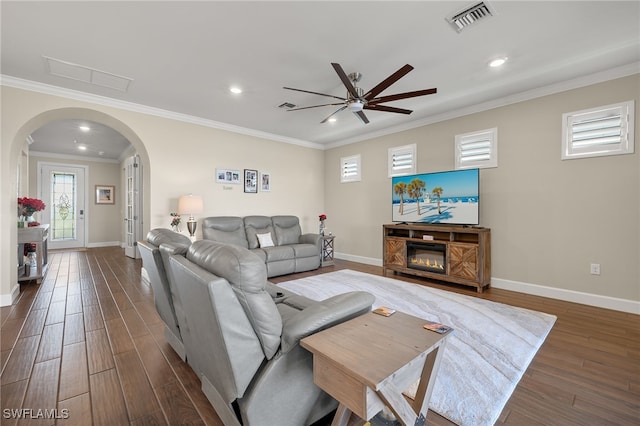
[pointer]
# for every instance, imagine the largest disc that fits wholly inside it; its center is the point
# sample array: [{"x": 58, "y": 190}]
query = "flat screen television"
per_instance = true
[{"x": 450, "y": 197}]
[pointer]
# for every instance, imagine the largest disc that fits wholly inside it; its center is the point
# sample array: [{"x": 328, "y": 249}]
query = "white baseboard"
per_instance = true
[
  {"x": 360, "y": 259},
  {"x": 606, "y": 302},
  {"x": 8, "y": 299},
  {"x": 104, "y": 244}
]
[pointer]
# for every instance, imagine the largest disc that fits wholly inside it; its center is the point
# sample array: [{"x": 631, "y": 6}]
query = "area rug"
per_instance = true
[{"x": 485, "y": 357}]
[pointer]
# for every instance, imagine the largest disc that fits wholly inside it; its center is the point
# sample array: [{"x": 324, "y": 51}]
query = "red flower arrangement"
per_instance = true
[
  {"x": 175, "y": 219},
  {"x": 28, "y": 206},
  {"x": 322, "y": 217}
]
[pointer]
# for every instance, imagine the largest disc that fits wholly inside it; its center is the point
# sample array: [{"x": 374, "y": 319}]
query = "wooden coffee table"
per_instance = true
[{"x": 367, "y": 362}]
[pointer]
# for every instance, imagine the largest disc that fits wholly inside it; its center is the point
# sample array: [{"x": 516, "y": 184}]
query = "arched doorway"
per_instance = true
[{"x": 16, "y": 168}]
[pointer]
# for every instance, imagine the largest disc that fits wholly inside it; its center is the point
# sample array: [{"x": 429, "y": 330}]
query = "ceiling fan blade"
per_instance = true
[
  {"x": 388, "y": 82},
  {"x": 345, "y": 80},
  {"x": 326, "y": 119},
  {"x": 405, "y": 95},
  {"x": 314, "y": 106},
  {"x": 362, "y": 117},
  {"x": 315, "y": 93},
  {"x": 387, "y": 109}
]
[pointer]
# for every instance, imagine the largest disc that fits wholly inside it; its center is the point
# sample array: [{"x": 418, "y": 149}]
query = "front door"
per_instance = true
[{"x": 62, "y": 189}]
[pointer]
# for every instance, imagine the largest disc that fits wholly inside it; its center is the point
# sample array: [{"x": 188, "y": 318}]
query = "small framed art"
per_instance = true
[
  {"x": 265, "y": 181},
  {"x": 228, "y": 176},
  {"x": 250, "y": 181},
  {"x": 105, "y": 194}
]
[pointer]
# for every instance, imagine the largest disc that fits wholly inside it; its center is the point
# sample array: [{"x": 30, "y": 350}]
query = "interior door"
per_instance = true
[
  {"x": 133, "y": 210},
  {"x": 63, "y": 189}
]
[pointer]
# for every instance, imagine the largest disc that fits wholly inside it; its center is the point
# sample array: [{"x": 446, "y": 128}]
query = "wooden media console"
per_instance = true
[{"x": 456, "y": 254}]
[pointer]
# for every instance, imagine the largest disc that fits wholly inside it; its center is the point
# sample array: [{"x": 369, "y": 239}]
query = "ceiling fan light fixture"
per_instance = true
[
  {"x": 357, "y": 100},
  {"x": 356, "y": 106}
]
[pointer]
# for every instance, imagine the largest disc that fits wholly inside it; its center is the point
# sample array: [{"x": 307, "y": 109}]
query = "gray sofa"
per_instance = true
[
  {"x": 153, "y": 263},
  {"x": 241, "y": 335},
  {"x": 292, "y": 251}
]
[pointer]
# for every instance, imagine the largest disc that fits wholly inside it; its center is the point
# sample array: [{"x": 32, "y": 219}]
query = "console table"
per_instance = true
[
  {"x": 37, "y": 235},
  {"x": 367, "y": 362},
  {"x": 464, "y": 252}
]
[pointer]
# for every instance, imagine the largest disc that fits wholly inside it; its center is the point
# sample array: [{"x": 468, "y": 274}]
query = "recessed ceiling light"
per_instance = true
[
  {"x": 498, "y": 62},
  {"x": 85, "y": 128},
  {"x": 82, "y": 147},
  {"x": 332, "y": 120},
  {"x": 236, "y": 90}
]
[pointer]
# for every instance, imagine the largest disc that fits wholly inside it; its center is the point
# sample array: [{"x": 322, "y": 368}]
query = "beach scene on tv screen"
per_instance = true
[{"x": 446, "y": 197}]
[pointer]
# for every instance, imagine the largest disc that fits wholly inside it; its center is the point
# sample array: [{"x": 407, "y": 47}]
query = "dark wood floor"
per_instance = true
[{"x": 88, "y": 343}]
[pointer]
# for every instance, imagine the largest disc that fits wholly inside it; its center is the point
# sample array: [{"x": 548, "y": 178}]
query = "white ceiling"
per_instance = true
[{"x": 182, "y": 57}]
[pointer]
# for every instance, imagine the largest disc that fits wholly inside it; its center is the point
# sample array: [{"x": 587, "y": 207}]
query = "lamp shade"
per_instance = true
[{"x": 190, "y": 204}]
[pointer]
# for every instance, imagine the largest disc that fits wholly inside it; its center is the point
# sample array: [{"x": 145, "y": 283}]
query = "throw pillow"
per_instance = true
[{"x": 265, "y": 240}]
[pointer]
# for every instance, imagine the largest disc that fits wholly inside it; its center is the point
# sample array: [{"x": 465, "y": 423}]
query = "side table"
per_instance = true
[
  {"x": 327, "y": 250},
  {"x": 367, "y": 362}
]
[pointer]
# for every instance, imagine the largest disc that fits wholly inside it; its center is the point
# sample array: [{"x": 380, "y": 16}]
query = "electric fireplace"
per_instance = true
[{"x": 427, "y": 257}]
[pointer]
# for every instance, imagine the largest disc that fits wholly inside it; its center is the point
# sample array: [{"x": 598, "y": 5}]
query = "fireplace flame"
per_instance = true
[{"x": 428, "y": 263}]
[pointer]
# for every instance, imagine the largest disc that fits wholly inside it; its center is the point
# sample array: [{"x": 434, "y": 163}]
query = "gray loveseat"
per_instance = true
[
  {"x": 292, "y": 251},
  {"x": 241, "y": 335}
]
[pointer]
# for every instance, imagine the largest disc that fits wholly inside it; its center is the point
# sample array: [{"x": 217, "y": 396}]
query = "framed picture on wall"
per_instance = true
[
  {"x": 228, "y": 176},
  {"x": 250, "y": 181},
  {"x": 265, "y": 181},
  {"x": 105, "y": 194}
]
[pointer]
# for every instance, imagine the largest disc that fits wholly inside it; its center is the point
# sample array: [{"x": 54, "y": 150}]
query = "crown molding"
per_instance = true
[
  {"x": 47, "y": 89},
  {"x": 576, "y": 83},
  {"x": 611, "y": 74}
]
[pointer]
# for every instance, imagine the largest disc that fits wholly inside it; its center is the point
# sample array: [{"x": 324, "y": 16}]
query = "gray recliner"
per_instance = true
[
  {"x": 153, "y": 263},
  {"x": 242, "y": 333}
]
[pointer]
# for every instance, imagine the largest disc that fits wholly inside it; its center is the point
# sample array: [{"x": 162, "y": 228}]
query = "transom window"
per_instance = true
[
  {"x": 606, "y": 130},
  {"x": 477, "y": 150},
  {"x": 350, "y": 169},
  {"x": 402, "y": 160}
]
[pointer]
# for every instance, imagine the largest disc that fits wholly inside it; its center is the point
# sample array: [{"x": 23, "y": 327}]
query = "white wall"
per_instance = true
[
  {"x": 178, "y": 158},
  {"x": 549, "y": 218}
]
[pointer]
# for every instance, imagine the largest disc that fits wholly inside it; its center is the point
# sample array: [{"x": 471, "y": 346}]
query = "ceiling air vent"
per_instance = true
[
  {"x": 288, "y": 105},
  {"x": 85, "y": 74},
  {"x": 471, "y": 15}
]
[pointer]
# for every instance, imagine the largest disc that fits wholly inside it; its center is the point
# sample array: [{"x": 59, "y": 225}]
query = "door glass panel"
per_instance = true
[{"x": 63, "y": 213}]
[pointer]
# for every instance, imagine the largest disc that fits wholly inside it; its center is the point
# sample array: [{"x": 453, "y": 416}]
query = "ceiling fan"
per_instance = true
[{"x": 357, "y": 100}]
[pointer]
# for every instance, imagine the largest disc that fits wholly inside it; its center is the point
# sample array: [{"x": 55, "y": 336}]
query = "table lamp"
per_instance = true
[{"x": 190, "y": 204}]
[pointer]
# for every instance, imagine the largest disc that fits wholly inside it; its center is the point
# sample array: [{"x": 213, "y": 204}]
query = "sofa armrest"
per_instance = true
[
  {"x": 173, "y": 248},
  {"x": 322, "y": 315},
  {"x": 315, "y": 239},
  {"x": 310, "y": 239}
]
